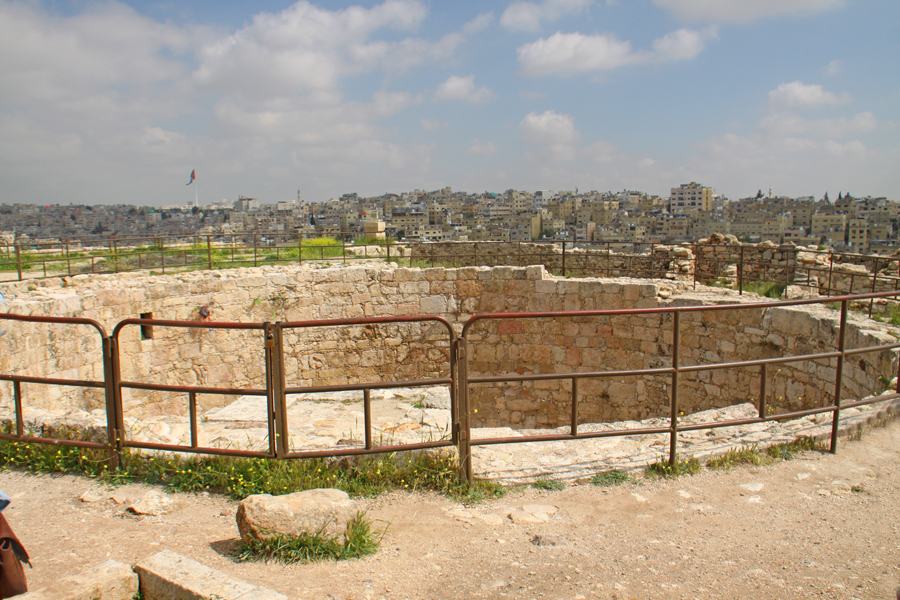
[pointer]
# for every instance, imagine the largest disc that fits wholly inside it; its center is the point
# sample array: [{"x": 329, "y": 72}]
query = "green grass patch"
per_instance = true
[
  {"x": 890, "y": 315},
  {"x": 747, "y": 455},
  {"x": 548, "y": 484},
  {"x": 788, "y": 451},
  {"x": 238, "y": 478},
  {"x": 765, "y": 288},
  {"x": 662, "y": 469},
  {"x": 610, "y": 478},
  {"x": 357, "y": 541}
]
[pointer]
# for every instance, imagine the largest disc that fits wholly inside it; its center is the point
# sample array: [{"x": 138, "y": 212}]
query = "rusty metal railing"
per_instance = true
[
  {"x": 178, "y": 253},
  {"x": 282, "y": 389},
  {"x": 458, "y": 378},
  {"x": 106, "y": 385},
  {"x": 674, "y": 371},
  {"x": 118, "y": 384}
]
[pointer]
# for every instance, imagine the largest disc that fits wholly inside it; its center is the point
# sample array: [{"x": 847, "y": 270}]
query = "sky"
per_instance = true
[{"x": 117, "y": 102}]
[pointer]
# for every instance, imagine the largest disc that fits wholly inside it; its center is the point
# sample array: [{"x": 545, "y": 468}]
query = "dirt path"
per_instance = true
[{"x": 819, "y": 526}]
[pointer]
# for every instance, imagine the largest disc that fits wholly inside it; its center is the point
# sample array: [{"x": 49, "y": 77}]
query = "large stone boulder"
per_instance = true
[{"x": 262, "y": 516}]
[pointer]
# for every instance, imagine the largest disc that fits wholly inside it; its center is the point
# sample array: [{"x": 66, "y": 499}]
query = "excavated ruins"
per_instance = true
[{"x": 325, "y": 354}]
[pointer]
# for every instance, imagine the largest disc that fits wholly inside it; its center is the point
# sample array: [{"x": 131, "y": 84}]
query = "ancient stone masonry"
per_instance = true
[
  {"x": 711, "y": 261},
  {"x": 654, "y": 262},
  {"x": 327, "y": 355}
]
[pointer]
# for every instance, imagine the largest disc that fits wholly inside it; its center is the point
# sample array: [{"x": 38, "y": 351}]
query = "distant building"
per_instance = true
[
  {"x": 690, "y": 196},
  {"x": 246, "y": 204}
]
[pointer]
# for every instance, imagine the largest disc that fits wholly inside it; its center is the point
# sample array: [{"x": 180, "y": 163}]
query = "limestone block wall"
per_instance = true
[
  {"x": 655, "y": 262},
  {"x": 224, "y": 358},
  {"x": 633, "y": 342},
  {"x": 712, "y": 260},
  {"x": 397, "y": 352}
]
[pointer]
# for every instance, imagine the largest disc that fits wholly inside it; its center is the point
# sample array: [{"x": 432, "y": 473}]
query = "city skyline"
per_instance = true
[{"x": 109, "y": 103}]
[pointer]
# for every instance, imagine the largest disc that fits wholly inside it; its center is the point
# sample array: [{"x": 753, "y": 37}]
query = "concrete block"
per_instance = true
[{"x": 170, "y": 576}]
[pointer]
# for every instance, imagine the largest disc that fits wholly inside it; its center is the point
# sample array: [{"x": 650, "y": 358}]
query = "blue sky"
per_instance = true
[{"x": 116, "y": 102}]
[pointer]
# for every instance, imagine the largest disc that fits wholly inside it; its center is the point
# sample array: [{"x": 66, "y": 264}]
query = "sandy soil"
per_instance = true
[{"x": 819, "y": 526}]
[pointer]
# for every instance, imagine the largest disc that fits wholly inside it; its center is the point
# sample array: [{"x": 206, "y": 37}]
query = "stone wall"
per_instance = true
[
  {"x": 647, "y": 262},
  {"x": 397, "y": 352},
  {"x": 711, "y": 261}
]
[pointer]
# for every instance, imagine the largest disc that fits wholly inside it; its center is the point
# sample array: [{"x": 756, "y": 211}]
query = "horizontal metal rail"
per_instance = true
[
  {"x": 674, "y": 427},
  {"x": 272, "y": 342},
  {"x": 282, "y": 388}
]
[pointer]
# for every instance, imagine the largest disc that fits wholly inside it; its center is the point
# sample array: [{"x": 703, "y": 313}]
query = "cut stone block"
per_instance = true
[{"x": 171, "y": 576}]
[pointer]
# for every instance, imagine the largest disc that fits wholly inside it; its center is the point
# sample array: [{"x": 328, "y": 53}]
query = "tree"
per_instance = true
[
  {"x": 759, "y": 194},
  {"x": 840, "y": 196},
  {"x": 826, "y": 197}
]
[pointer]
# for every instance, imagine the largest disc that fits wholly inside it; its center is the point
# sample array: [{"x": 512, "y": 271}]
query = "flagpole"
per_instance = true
[{"x": 194, "y": 171}]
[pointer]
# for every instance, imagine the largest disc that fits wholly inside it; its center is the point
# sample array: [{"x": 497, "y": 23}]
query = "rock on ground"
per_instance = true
[{"x": 262, "y": 516}]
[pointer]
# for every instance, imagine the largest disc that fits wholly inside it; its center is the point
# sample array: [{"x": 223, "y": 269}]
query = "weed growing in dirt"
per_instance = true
[
  {"x": 359, "y": 540},
  {"x": 788, "y": 450},
  {"x": 662, "y": 468},
  {"x": 747, "y": 455},
  {"x": 240, "y": 477},
  {"x": 548, "y": 484},
  {"x": 610, "y": 478}
]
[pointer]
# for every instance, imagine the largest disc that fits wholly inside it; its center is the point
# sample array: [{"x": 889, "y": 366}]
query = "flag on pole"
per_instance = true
[{"x": 192, "y": 177}]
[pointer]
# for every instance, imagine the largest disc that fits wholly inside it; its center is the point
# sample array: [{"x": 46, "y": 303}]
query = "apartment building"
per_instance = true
[{"x": 690, "y": 196}]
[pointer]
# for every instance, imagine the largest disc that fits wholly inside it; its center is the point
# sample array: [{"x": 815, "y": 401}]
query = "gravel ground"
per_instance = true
[{"x": 818, "y": 526}]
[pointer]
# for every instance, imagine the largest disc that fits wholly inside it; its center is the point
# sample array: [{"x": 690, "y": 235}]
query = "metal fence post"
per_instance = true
[
  {"x": 115, "y": 427},
  {"x": 673, "y": 433},
  {"x": 830, "y": 271},
  {"x": 19, "y": 261},
  {"x": 279, "y": 444},
  {"x": 462, "y": 429},
  {"x": 839, "y": 379},
  {"x": 209, "y": 252},
  {"x": 874, "y": 286}
]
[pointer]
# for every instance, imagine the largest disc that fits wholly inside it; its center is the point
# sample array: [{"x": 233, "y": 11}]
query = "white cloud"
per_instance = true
[
  {"x": 568, "y": 53},
  {"x": 389, "y": 103},
  {"x": 479, "y": 148},
  {"x": 743, "y": 11},
  {"x": 601, "y": 152},
  {"x": 430, "y": 125},
  {"x": 853, "y": 148},
  {"x": 463, "y": 88},
  {"x": 573, "y": 53},
  {"x": 98, "y": 91},
  {"x": 789, "y": 124},
  {"x": 683, "y": 44},
  {"x": 797, "y": 94},
  {"x": 49, "y": 58},
  {"x": 833, "y": 68},
  {"x": 479, "y": 23},
  {"x": 527, "y": 16},
  {"x": 305, "y": 48},
  {"x": 548, "y": 128}
]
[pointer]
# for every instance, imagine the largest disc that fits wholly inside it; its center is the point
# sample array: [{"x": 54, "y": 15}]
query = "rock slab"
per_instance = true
[
  {"x": 262, "y": 516},
  {"x": 171, "y": 576},
  {"x": 110, "y": 580}
]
